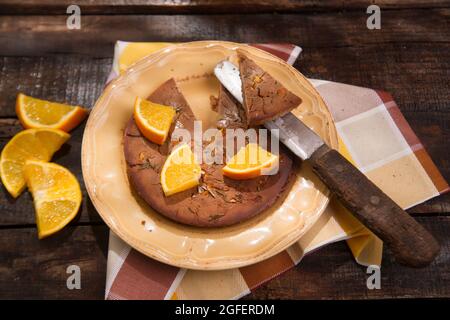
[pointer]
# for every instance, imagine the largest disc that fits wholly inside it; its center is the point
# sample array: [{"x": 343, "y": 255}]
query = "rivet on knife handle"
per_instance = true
[{"x": 411, "y": 244}]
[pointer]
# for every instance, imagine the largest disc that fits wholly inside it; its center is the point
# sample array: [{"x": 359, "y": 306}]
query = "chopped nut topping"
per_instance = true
[{"x": 257, "y": 79}]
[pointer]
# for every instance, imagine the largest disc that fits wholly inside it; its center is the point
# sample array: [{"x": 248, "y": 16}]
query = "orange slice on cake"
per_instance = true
[
  {"x": 250, "y": 162},
  {"x": 153, "y": 119},
  {"x": 181, "y": 171}
]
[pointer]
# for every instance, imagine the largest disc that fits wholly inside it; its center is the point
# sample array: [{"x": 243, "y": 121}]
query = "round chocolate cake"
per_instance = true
[{"x": 218, "y": 200}]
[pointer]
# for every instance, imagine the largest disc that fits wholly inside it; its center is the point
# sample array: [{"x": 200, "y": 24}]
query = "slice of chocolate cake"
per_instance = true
[{"x": 264, "y": 97}]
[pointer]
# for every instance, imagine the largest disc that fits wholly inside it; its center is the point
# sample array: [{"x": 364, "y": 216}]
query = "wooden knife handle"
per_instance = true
[{"x": 411, "y": 244}]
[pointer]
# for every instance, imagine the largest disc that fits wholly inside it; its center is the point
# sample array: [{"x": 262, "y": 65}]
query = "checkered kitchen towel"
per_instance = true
[{"x": 373, "y": 134}]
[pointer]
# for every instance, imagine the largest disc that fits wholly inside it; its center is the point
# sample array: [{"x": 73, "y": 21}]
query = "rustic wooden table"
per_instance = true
[{"x": 409, "y": 57}]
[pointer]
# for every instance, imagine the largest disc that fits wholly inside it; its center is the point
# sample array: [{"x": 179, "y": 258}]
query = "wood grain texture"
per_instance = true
[
  {"x": 204, "y": 6},
  {"x": 36, "y": 269},
  {"x": 39, "y": 35},
  {"x": 436, "y": 206}
]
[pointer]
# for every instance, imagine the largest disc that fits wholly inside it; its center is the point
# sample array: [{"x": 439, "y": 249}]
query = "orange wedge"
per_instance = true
[
  {"x": 31, "y": 144},
  {"x": 250, "y": 162},
  {"x": 180, "y": 171},
  {"x": 56, "y": 195},
  {"x": 37, "y": 113},
  {"x": 153, "y": 120}
]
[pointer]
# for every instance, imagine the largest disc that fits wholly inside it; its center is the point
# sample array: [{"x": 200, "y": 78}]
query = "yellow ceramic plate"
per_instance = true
[{"x": 104, "y": 171}]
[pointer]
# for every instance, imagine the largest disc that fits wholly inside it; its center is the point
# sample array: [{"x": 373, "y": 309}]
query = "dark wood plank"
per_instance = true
[
  {"x": 38, "y": 35},
  {"x": 331, "y": 273},
  {"x": 436, "y": 206},
  {"x": 36, "y": 269},
  {"x": 20, "y": 211},
  {"x": 204, "y": 6}
]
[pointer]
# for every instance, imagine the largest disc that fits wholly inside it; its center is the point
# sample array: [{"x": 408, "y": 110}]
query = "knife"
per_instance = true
[{"x": 411, "y": 244}]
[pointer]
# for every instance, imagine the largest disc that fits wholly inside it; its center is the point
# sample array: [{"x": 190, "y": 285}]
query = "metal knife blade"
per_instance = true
[
  {"x": 228, "y": 75},
  {"x": 292, "y": 132}
]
